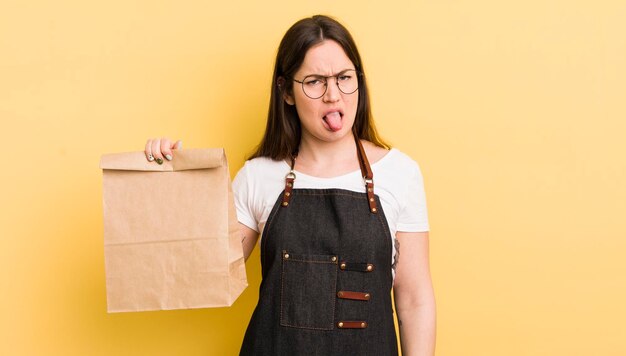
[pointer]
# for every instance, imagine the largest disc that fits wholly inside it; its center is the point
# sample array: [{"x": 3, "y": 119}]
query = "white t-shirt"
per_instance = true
[{"x": 398, "y": 183}]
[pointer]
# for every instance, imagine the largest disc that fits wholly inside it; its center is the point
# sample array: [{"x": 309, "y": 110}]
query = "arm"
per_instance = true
[
  {"x": 414, "y": 296},
  {"x": 249, "y": 238}
]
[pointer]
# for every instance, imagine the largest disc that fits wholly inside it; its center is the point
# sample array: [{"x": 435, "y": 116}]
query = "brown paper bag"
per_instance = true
[{"x": 171, "y": 236}]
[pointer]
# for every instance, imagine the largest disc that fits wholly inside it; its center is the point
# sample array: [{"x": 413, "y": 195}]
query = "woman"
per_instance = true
[{"x": 331, "y": 238}]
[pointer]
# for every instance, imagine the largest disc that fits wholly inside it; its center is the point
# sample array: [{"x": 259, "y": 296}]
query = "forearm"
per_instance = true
[
  {"x": 414, "y": 296},
  {"x": 417, "y": 328},
  {"x": 249, "y": 238}
]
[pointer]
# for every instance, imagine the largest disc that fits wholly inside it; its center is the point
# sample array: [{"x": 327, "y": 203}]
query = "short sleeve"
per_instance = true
[
  {"x": 243, "y": 198},
  {"x": 413, "y": 215}
]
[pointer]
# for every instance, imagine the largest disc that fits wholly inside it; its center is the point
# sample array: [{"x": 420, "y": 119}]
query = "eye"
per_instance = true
[
  {"x": 344, "y": 78},
  {"x": 313, "y": 81}
]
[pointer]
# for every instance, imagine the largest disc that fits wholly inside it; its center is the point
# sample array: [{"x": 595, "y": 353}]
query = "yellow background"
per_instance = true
[{"x": 514, "y": 110}]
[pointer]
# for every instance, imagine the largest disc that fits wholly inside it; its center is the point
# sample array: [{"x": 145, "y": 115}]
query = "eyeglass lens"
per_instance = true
[{"x": 315, "y": 86}]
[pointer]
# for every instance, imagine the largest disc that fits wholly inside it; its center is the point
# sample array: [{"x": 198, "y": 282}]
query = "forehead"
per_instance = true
[{"x": 326, "y": 58}]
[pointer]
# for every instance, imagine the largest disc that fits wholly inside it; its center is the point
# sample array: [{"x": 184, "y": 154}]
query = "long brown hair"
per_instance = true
[{"x": 283, "y": 131}]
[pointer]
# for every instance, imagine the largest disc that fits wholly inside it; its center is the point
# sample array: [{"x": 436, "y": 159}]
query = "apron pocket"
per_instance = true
[{"x": 308, "y": 288}]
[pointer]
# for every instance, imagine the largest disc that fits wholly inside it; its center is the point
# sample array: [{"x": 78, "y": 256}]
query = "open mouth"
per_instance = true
[{"x": 334, "y": 120}]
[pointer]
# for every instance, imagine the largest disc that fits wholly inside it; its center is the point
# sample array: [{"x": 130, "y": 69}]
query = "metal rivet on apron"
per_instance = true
[
  {"x": 363, "y": 325},
  {"x": 342, "y": 266},
  {"x": 287, "y": 193},
  {"x": 340, "y": 324},
  {"x": 340, "y": 294},
  {"x": 371, "y": 199},
  {"x": 285, "y": 203},
  {"x": 289, "y": 185},
  {"x": 369, "y": 189},
  {"x": 366, "y": 296},
  {"x": 286, "y": 255},
  {"x": 370, "y": 267},
  {"x": 373, "y": 210},
  {"x": 334, "y": 258}
]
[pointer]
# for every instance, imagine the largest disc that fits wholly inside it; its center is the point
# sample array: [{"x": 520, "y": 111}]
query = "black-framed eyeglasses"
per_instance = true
[{"x": 314, "y": 86}]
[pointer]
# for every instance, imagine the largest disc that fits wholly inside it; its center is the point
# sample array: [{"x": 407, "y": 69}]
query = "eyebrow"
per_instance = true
[{"x": 334, "y": 75}]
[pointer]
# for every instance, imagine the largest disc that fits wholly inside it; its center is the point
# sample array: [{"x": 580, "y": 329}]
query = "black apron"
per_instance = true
[{"x": 326, "y": 267}]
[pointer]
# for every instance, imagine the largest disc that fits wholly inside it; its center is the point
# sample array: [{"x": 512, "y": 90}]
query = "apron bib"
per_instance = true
[{"x": 326, "y": 268}]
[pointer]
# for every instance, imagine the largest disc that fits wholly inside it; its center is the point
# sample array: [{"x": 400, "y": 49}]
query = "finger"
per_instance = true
[
  {"x": 166, "y": 150},
  {"x": 178, "y": 145},
  {"x": 156, "y": 150},
  {"x": 148, "y": 150}
]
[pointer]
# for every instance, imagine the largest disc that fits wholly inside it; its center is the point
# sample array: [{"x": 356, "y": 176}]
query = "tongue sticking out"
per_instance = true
[{"x": 334, "y": 121}]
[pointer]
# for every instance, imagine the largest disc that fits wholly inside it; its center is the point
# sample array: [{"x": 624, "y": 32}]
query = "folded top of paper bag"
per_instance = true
[{"x": 197, "y": 158}]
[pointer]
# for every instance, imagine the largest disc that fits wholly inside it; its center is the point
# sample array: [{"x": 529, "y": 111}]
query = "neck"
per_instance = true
[{"x": 315, "y": 151}]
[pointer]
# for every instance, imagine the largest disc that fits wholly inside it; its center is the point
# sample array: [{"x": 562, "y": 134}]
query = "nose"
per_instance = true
[{"x": 332, "y": 91}]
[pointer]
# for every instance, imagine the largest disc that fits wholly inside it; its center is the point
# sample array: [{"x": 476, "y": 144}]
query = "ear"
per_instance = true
[
  {"x": 289, "y": 99},
  {"x": 280, "y": 82}
]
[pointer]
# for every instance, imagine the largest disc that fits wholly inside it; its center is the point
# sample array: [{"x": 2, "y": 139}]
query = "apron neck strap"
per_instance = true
[
  {"x": 366, "y": 170},
  {"x": 366, "y": 173}
]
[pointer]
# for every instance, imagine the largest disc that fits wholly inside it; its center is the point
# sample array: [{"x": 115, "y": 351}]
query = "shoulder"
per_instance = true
[
  {"x": 262, "y": 163},
  {"x": 393, "y": 156},
  {"x": 398, "y": 173},
  {"x": 262, "y": 169},
  {"x": 374, "y": 153},
  {"x": 399, "y": 163}
]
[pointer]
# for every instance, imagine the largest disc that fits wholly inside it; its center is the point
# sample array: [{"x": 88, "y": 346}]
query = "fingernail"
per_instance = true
[
  {"x": 169, "y": 157},
  {"x": 150, "y": 157},
  {"x": 159, "y": 161}
]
